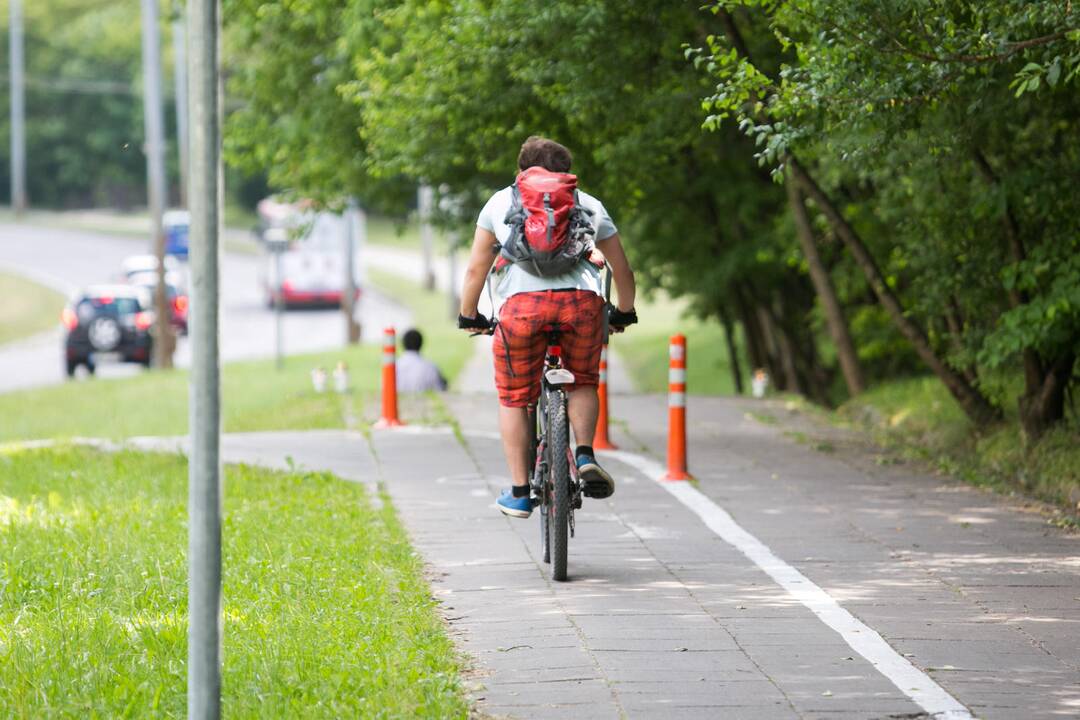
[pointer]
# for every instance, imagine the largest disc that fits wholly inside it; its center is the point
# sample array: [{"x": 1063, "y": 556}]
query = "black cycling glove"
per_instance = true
[
  {"x": 480, "y": 323},
  {"x": 618, "y": 319}
]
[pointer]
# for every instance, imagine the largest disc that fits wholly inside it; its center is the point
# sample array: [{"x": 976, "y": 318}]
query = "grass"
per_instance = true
[
  {"x": 644, "y": 350},
  {"x": 326, "y": 610},
  {"x": 383, "y": 230},
  {"x": 918, "y": 418},
  {"x": 27, "y": 307},
  {"x": 255, "y": 395}
]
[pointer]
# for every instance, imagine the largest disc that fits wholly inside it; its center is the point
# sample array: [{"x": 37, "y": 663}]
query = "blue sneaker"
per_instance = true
[
  {"x": 597, "y": 483},
  {"x": 519, "y": 507}
]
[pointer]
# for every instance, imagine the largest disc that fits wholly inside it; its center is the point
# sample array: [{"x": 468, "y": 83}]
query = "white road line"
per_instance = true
[{"x": 863, "y": 639}]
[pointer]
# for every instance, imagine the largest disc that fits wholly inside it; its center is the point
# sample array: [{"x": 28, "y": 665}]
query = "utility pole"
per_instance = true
[
  {"x": 204, "y": 471},
  {"x": 355, "y": 222},
  {"x": 154, "y": 123},
  {"x": 18, "y": 108},
  {"x": 452, "y": 239},
  {"x": 425, "y": 201},
  {"x": 179, "y": 38}
]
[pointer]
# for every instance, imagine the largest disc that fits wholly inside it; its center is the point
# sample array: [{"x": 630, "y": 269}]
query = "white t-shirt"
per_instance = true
[
  {"x": 415, "y": 373},
  {"x": 513, "y": 279}
]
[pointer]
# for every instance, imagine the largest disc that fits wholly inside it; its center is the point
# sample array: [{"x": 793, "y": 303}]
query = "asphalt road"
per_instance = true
[{"x": 67, "y": 260}]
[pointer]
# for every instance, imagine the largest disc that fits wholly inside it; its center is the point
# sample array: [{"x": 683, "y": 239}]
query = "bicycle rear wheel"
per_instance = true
[{"x": 558, "y": 438}]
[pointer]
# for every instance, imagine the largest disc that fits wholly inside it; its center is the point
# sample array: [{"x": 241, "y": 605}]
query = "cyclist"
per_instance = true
[{"x": 572, "y": 301}]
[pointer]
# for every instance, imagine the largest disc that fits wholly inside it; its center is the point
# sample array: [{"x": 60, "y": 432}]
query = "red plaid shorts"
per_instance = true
[{"x": 520, "y": 341}]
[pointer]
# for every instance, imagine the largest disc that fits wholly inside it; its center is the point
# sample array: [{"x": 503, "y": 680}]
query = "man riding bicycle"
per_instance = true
[{"x": 545, "y": 287}]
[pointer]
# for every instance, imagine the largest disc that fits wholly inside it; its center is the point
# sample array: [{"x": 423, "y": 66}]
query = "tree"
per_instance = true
[
  {"x": 84, "y": 114},
  {"x": 923, "y": 115}
]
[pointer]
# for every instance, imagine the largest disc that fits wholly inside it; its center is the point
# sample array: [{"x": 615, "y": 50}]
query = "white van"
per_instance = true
[{"x": 312, "y": 261}]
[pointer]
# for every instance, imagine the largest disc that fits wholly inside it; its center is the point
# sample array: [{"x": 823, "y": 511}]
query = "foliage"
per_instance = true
[
  {"x": 84, "y": 126},
  {"x": 945, "y": 126},
  {"x": 326, "y": 610},
  {"x": 290, "y": 63}
]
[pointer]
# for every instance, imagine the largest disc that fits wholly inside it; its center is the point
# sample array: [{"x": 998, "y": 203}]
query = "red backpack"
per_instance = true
[{"x": 550, "y": 231}]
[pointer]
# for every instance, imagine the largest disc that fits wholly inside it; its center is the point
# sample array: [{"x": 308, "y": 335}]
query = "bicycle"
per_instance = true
[{"x": 556, "y": 487}]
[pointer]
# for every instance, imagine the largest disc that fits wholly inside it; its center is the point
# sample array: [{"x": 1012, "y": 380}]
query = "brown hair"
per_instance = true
[{"x": 548, "y": 154}]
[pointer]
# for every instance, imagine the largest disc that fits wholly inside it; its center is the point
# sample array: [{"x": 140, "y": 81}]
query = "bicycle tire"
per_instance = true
[{"x": 558, "y": 439}]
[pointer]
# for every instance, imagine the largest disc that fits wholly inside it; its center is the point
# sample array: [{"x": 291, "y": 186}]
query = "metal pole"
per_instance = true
[
  {"x": 425, "y": 202},
  {"x": 348, "y": 297},
  {"x": 154, "y": 123},
  {"x": 204, "y": 480},
  {"x": 452, "y": 284},
  {"x": 179, "y": 33},
  {"x": 18, "y": 109},
  {"x": 279, "y": 306}
]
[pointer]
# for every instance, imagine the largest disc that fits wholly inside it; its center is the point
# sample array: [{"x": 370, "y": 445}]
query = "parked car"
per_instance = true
[
  {"x": 176, "y": 224},
  {"x": 176, "y": 296},
  {"x": 107, "y": 323},
  {"x": 312, "y": 259},
  {"x": 148, "y": 263}
]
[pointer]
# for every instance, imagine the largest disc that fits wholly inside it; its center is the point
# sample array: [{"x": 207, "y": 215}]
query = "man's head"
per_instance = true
[
  {"x": 412, "y": 340},
  {"x": 545, "y": 153}
]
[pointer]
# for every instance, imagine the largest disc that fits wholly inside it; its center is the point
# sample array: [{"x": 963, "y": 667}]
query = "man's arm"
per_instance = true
[
  {"x": 481, "y": 257},
  {"x": 621, "y": 273}
]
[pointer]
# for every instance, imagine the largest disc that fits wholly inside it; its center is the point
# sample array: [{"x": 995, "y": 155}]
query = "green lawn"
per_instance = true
[
  {"x": 388, "y": 231},
  {"x": 26, "y": 307},
  {"x": 256, "y": 395},
  {"x": 919, "y": 418},
  {"x": 644, "y": 350},
  {"x": 326, "y": 610}
]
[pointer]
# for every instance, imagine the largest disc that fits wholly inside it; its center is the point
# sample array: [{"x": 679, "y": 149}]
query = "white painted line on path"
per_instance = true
[{"x": 863, "y": 639}]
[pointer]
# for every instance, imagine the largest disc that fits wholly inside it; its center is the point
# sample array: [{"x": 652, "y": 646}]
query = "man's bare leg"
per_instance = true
[
  {"x": 583, "y": 406},
  {"x": 514, "y": 429}
]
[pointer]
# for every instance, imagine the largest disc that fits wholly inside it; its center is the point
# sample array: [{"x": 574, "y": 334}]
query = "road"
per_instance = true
[{"x": 68, "y": 259}]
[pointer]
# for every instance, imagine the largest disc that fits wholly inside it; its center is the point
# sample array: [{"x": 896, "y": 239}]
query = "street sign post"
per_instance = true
[{"x": 205, "y": 470}]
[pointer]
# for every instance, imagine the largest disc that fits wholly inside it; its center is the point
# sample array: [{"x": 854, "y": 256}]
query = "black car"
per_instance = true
[{"x": 107, "y": 322}]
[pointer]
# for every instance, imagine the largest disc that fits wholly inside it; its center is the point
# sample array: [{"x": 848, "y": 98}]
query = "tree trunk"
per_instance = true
[
  {"x": 826, "y": 293},
  {"x": 781, "y": 352},
  {"x": 974, "y": 404},
  {"x": 754, "y": 346},
  {"x": 1035, "y": 412},
  {"x": 1040, "y": 410},
  {"x": 733, "y": 353},
  {"x": 977, "y": 407}
]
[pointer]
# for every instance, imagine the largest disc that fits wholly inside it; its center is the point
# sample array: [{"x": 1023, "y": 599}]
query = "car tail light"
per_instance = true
[
  {"x": 180, "y": 304},
  {"x": 286, "y": 286},
  {"x": 143, "y": 321},
  {"x": 69, "y": 318}
]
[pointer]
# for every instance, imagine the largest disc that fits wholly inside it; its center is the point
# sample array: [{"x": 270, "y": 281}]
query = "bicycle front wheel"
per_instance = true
[
  {"x": 558, "y": 440},
  {"x": 538, "y": 482}
]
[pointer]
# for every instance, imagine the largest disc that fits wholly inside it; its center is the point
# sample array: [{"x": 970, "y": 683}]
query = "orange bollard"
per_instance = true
[
  {"x": 600, "y": 439},
  {"x": 676, "y": 447},
  {"x": 389, "y": 381}
]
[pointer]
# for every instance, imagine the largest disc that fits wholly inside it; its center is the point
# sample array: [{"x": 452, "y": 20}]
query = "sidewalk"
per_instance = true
[{"x": 663, "y": 618}]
